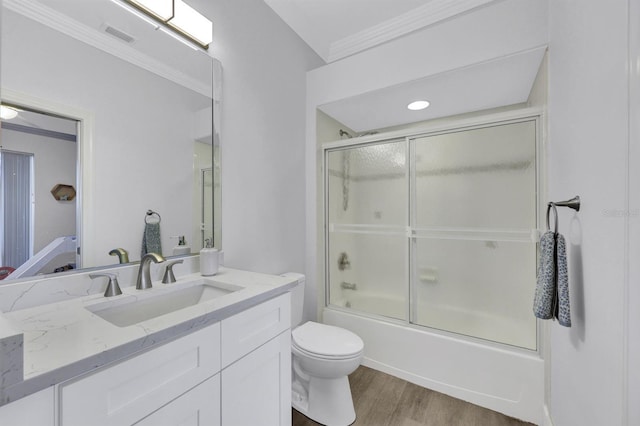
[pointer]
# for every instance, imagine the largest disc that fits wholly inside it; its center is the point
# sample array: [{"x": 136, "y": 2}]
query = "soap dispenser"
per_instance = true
[
  {"x": 182, "y": 247},
  {"x": 208, "y": 259}
]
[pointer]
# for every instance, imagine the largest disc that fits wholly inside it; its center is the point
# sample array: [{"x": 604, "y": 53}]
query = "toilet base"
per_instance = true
[{"x": 326, "y": 401}]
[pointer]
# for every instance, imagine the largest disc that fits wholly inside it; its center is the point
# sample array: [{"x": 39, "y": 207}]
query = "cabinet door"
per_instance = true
[
  {"x": 198, "y": 407},
  {"x": 245, "y": 331},
  {"x": 36, "y": 409},
  {"x": 256, "y": 390}
]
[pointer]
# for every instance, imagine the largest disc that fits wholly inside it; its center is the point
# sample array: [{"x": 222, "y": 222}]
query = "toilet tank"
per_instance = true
[{"x": 297, "y": 298}]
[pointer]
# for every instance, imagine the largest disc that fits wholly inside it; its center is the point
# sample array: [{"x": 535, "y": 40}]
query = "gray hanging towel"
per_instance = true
[
  {"x": 563, "y": 310},
  {"x": 151, "y": 239},
  {"x": 546, "y": 289}
]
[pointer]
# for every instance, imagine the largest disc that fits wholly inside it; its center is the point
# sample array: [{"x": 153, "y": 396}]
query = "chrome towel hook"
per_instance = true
[{"x": 573, "y": 203}]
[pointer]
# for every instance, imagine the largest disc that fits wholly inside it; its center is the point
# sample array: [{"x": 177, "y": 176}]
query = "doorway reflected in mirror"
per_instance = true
[{"x": 38, "y": 154}]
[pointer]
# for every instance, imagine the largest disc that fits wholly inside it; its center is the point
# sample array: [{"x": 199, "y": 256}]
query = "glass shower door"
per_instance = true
[
  {"x": 367, "y": 210},
  {"x": 473, "y": 222}
]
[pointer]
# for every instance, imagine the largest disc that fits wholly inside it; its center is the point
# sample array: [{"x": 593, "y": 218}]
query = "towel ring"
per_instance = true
[
  {"x": 555, "y": 214},
  {"x": 151, "y": 213}
]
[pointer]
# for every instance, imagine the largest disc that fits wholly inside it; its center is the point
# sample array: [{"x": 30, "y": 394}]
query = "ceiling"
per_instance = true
[
  {"x": 336, "y": 29},
  {"x": 492, "y": 84},
  {"x": 41, "y": 123}
]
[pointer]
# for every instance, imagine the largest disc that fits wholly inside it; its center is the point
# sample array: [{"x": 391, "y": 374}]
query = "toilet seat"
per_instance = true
[
  {"x": 301, "y": 352},
  {"x": 326, "y": 341}
]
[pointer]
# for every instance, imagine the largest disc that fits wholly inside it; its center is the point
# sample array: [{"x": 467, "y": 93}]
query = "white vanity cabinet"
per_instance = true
[
  {"x": 234, "y": 373},
  {"x": 256, "y": 354},
  {"x": 129, "y": 391}
]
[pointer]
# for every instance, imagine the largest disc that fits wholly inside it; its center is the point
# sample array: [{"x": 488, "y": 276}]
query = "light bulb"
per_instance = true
[{"x": 418, "y": 105}]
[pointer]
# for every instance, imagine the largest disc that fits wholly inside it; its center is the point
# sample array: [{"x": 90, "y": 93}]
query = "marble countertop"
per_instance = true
[{"x": 49, "y": 343}]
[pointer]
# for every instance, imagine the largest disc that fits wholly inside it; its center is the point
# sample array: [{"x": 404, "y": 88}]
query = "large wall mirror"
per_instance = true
[{"x": 114, "y": 119}]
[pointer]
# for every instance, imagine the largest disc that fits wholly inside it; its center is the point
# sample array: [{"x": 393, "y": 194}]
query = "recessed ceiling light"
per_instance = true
[{"x": 418, "y": 105}]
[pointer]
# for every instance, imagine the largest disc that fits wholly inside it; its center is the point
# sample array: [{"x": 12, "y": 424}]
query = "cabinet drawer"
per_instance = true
[
  {"x": 249, "y": 329},
  {"x": 198, "y": 407},
  {"x": 127, "y": 392}
]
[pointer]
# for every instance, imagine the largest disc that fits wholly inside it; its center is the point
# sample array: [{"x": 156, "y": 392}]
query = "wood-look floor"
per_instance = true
[{"x": 384, "y": 400}]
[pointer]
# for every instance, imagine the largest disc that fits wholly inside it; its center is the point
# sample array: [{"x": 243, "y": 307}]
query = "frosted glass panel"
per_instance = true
[
  {"x": 367, "y": 204},
  {"x": 374, "y": 281},
  {"x": 437, "y": 231},
  {"x": 477, "y": 178},
  {"x": 368, "y": 184},
  {"x": 477, "y": 288}
]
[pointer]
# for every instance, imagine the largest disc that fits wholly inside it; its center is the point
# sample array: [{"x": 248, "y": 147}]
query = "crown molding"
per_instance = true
[
  {"x": 420, "y": 17},
  {"x": 53, "y": 19}
]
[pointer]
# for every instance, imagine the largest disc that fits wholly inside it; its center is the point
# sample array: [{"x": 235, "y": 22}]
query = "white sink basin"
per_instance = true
[{"x": 132, "y": 309}]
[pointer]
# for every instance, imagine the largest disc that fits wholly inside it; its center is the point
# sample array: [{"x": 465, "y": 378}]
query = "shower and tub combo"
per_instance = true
[{"x": 430, "y": 256}]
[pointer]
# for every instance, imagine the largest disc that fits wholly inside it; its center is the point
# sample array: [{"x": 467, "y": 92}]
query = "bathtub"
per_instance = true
[{"x": 498, "y": 377}]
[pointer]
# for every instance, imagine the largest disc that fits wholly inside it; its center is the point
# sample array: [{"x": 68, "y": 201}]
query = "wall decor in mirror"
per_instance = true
[{"x": 121, "y": 112}]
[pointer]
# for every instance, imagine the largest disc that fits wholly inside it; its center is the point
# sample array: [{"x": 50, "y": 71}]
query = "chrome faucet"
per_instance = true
[
  {"x": 144, "y": 276},
  {"x": 123, "y": 255}
]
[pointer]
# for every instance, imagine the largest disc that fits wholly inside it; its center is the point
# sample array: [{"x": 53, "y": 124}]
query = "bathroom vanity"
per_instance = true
[{"x": 222, "y": 361}]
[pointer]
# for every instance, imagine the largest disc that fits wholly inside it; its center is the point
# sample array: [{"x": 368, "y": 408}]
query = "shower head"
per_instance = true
[{"x": 345, "y": 133}]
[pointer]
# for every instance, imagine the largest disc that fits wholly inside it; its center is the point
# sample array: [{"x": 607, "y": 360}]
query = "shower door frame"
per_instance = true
[{"x": 493, "y": 119}]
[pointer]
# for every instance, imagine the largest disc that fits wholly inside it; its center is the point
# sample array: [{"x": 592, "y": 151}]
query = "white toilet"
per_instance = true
[{"x": 322, "y": 358}]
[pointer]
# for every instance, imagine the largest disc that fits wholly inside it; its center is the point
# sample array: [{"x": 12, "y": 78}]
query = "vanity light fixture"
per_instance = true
[
  {"x": 7, "y": 113},
  {"x": 418, "y": 105},
  {"x": 177, "y": 17}
]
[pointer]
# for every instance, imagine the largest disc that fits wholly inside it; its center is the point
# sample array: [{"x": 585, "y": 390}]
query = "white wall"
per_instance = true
[
  {"x": 587, "y": 156},
  {"x": 262, "y": 135},
  {"x": 633, "y": 289}
]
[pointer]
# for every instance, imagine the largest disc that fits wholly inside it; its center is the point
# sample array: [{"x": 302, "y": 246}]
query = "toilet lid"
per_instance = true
[{"x": 326, "y": 340}]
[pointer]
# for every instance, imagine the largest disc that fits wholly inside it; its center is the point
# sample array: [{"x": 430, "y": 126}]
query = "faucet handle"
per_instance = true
[
  {"x": 168, "y": 277},
  {"x": 113, "y": 288}
]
